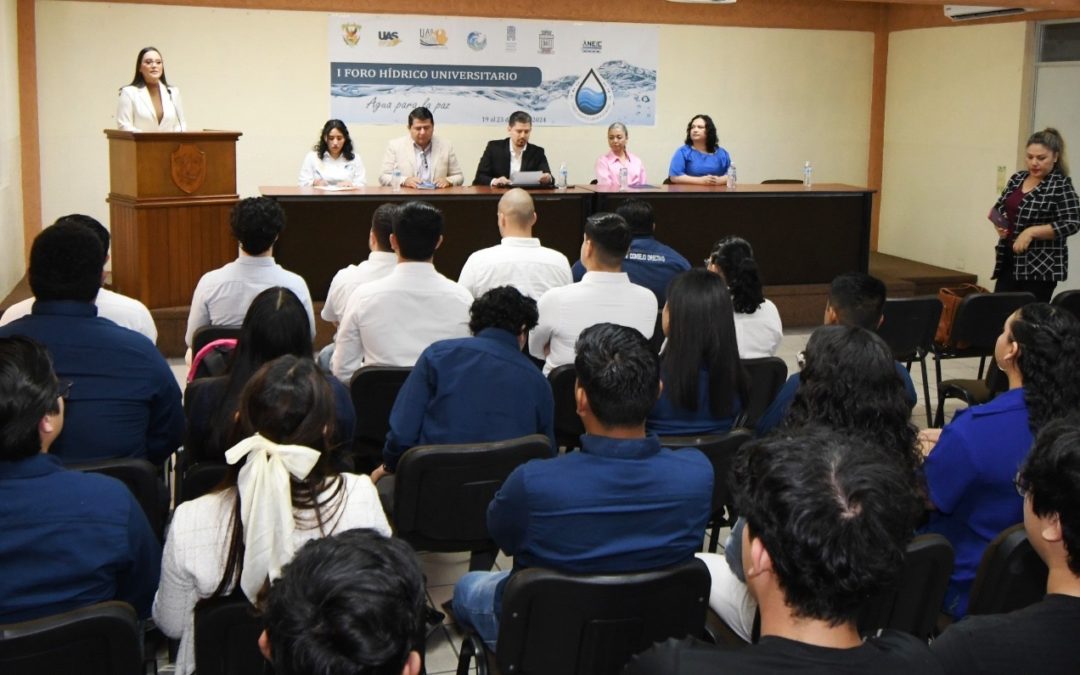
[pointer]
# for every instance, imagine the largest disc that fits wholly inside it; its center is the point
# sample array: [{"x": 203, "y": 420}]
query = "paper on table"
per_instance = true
[{"x": 335, "y": 188}]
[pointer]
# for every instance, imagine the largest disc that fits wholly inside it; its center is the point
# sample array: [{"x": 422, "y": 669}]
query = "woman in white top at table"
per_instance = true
[
  {"x": 758, "y": 328},
  {"x": 332, "y": 161},
  {"x": 608, "y": 166},
  {"x": 149, "y": 103}
]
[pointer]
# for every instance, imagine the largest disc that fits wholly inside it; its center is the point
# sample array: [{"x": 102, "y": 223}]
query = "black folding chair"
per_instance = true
[
  {"x": 374, "y": 390},
  {"x": 767, "y": 376},
  {"x": 102, "y": 639},
  {"x": 908, "y": 328},
  {"x": 568, "y": 426},
  {"x": 590, "y": 624},
  {"x": 1069, "y": 300},
  {"x": 912, "y": 604},
  {"x": 227, "y": 638},
  {"x": 1011, "y": 575},
  {"x": 141, "y": 478}
]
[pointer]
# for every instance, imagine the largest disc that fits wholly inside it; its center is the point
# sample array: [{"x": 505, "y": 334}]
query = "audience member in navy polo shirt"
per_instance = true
[
  {"x": 124, "y": 399},
  {"x": 648, "y": 263},
  {"x": 855, "y": 299},
  {"x": 621, "y": 504},
  {"x": 70, "y": 539},
  {"x": 475, "y": 389}
]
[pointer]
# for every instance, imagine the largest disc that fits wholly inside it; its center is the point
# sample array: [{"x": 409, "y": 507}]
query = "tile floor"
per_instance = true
[{"x": 444, "y": 569}]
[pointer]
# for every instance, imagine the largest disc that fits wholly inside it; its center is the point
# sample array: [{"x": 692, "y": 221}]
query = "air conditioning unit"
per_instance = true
[{"x": 972, "y": 12}]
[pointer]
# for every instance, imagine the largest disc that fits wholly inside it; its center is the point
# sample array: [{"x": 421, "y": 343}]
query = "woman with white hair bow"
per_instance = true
[{"x": 282, "y": 490}]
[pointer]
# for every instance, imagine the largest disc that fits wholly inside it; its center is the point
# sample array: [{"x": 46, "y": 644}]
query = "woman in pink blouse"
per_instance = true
[{"x": 607, "y": 166}]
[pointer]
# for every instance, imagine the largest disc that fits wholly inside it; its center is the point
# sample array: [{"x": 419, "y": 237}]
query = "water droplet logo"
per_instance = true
[{"x": 591, "y": 97}]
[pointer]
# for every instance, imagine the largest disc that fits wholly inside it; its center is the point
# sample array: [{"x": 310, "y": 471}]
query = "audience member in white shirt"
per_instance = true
[
  {"x": 123, "y": 311},
  {"x": 604, "y": 295},
  {"x": 519, "y": 260},
  {"x": 758, "y": 328},
  {"x": 390, "y": 321},
  {"x": 222, "y": 296}
]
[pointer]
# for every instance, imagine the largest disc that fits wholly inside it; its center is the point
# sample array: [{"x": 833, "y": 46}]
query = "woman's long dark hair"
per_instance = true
[
  {"x": 712, "y": 141},
  {"x": 735, "y": 258},
  {"x": 276, "y": 323},
  {"x": 288, "y": 401},
  {"x": 139, "y": 80},
  {"x": 701, "y": 334},
  {"x": 321, "y": 148},
  {"x": 850, "y": 384},
  {"x": 1049, "y": 361}
]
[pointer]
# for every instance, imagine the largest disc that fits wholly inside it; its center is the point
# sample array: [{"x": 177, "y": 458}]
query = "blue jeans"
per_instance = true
[{"x": 474, "y": 604}]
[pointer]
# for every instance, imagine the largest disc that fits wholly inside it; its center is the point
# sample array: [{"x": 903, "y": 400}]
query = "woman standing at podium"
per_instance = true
[
  {"x": 149, "y": 103},
  {"x": 700, "y": 160},
  {"x": 332, "y": 161}
]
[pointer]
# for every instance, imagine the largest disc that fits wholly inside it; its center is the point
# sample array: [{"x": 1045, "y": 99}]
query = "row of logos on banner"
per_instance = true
[{"x": 439, "y": 38}]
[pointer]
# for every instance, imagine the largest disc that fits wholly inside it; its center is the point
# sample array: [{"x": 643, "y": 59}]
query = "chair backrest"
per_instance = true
[
  {"x": 720, "y": 449},
  {"x": 102, "y": 639},
  {"x": 1011, "y": 575},
  {"x": 141, "y": 478},
  {"x": 227, "y": 638},
  {"x": 593, "y": 624},
  {"x": 981, "y": 316},
  {"x": 568, "y": 426},
  {"x": 909, "y": 324},
  {"x": 442, "y": 492},
  {"x": 766, "y": 376},
  {"x": 912, "y": 604},
  {"x": 199, "y": 479},
  {"x": 374, "y": 390},
  {"x": 212, "y": 360},
  {"x": 1069, "y": 300},
  {"x": 207, "y": 334}
]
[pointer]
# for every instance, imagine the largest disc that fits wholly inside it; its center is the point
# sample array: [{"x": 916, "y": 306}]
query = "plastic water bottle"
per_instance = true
[
  {"x": 395, "y": 182},
  {"x": 731, "y": 177},
  {"x": 562, "y": 184},
  {"x": 624, "y": 179},
  {"x": 807, "y": 175}
]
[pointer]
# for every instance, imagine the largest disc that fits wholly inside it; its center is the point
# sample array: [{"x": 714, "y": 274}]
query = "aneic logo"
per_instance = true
[
  {"x": 592, "y": 46},
  {"x": 433, "y": 37},
  {"x": 389, "y": 38}
]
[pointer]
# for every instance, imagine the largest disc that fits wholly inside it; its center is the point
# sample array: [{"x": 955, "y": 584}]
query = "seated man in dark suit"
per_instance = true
[
  {"x": 124, "y": 401},
  {"x": 70, "y": 539},
  {"x": 855, "y": 299},
  {"x": 1040, "y": 637},
  {"x": 347, "y": 604},
  {"x": 621, "y": 504},
  {"x": 827, "y": 523},
  {"x": 504, "y": 157}
]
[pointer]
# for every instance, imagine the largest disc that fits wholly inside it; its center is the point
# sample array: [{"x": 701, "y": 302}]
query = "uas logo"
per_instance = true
[
  {"x": 388, "y": 38},
  {"x": 477, "y": 41},
  {"x": 350, "y": 33}
]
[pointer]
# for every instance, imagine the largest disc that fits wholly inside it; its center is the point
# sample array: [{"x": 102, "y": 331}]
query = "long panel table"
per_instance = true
[{"x": 799, "y": 236}]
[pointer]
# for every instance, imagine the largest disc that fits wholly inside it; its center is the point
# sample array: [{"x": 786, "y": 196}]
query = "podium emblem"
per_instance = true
[{"x": 188, "y": 167}]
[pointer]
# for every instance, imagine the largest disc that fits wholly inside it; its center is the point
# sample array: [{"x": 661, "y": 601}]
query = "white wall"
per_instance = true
[
  {"x": 955, "y": 103},
  {"x": 793, "y": 95},
  {"x": 12, "y": 263}
]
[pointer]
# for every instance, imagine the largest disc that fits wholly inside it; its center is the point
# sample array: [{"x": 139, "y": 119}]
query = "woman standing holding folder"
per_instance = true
[{"x": 1036, "y": 212}]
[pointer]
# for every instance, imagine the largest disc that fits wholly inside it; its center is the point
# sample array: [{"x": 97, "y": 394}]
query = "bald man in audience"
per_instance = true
[
  {"x": 519, "y": 260},
  {"x": 1038, "y": 638}
]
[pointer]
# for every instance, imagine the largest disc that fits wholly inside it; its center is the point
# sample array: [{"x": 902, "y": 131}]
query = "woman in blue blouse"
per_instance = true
[
  {"x": 701, "y": 160},
  {"x": 704, "y": 384}
]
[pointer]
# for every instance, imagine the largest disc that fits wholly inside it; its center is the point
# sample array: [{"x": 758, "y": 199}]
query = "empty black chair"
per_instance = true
[
  {"x": 102, "y": 639},
  {"x": 1011, "y": 575},
  {"x": 442, "y": 492},
  {"x": 141, "y": 477},
  {"x": 979, "y": 320},
  {"x": 374, "y": 390},
  {"x": 227, "y": 638},
  {"x": 720, "y": 449},
  {"x": 767, "y": 377},
  {"x": 1069, "y": 300},
  {"x": 912, "y": 604},
  {"x": 568, "y": 426},
  {"x": 908, "y": 328},
  {"x": 591, "y": 624},
  {"x": 207, "y": 334}
]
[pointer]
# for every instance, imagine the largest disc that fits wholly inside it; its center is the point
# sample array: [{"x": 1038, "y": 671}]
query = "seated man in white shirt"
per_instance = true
[
  {"x": 604, "y": 295},
  {"x": 390, "y": 321},
  {"x": 123, "y": 311},
  {"x": 422, "y": 159},
  {"x": 519, "y": 260},
  {"x": 222, "y": 296}
]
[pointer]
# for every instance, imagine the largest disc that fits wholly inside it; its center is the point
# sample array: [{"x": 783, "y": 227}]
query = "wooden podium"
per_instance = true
[{"x": 170, "y": 195}]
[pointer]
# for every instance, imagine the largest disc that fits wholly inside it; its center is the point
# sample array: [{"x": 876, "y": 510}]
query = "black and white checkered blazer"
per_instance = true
[{"x": 1053, "y": 202}]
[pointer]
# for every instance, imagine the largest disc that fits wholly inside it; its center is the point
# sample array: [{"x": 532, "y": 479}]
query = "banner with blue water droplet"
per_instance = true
[{"x": 479, "y": 70}]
